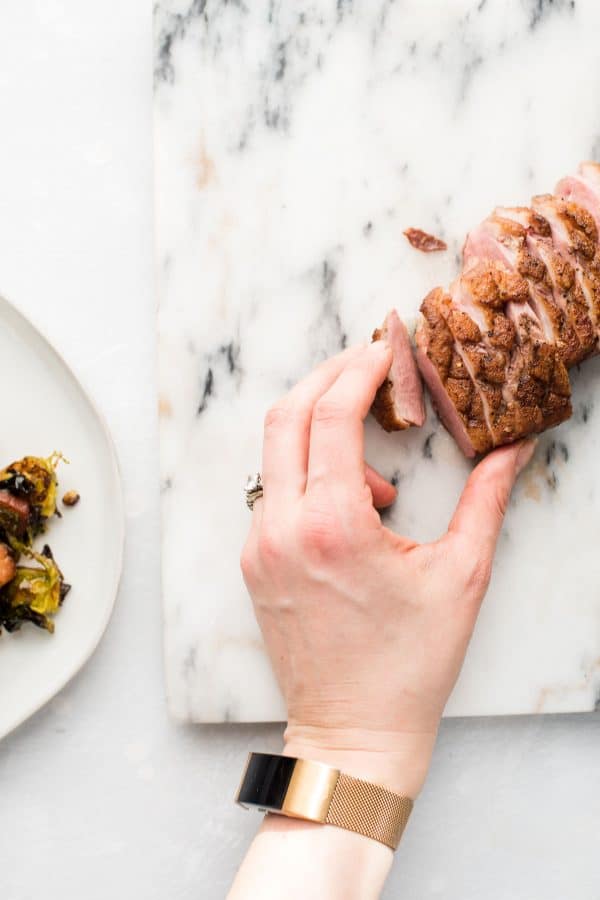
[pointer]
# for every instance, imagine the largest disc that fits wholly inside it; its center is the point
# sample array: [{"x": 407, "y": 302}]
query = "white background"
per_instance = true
[{"x": 101, "y": 795}]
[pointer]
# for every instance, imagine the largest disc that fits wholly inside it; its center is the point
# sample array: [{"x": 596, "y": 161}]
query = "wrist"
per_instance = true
[{"x": 397, "y": 761}]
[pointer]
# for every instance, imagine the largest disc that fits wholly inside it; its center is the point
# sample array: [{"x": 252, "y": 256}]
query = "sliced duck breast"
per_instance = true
[
  {"x": 455, "y": 397},
  {"x": 563, "y": 303},
  {"x": 399, "y": 402},
  {"x": 575, "y": 238}
]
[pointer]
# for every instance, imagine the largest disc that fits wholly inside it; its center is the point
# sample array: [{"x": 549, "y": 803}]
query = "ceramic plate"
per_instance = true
[{"x": 44, "y": 408}]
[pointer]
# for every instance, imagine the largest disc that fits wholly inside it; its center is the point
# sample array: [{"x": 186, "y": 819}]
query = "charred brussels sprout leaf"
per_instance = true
[
  {"x": 34, "y": 594},
  {"x": 28, "y": 593}
]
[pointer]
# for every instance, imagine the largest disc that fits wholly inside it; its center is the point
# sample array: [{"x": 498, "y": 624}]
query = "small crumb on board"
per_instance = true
[{"x": 427, "y": 243}]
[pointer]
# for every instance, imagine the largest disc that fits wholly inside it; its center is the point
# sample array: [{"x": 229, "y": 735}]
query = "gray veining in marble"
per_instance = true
[{"x": 294, "y": 144}]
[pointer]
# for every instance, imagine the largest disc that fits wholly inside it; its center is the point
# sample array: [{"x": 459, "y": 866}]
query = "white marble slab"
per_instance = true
[{"x": 294, "y": 143}]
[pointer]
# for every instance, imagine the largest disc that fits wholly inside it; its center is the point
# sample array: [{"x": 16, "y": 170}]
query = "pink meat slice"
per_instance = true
[
  {"x": 523, "y": 382},
  {"x": 453, "y": 392},
  {"x": 577, "y": 189},
  {"x": 574, "y": 236},
  {"x": 561, "y": 305},
  {"x": 399, "y": 402},
  {"x": 444, "y": 406},
  {"x": 501, "y": 240}
]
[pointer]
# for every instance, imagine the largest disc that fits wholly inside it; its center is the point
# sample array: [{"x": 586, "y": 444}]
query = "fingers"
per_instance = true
[
  {"x": 383, "y": 492},
  {"x": 287, "y": 431},
  {"x": 480, "y": 511},
  {"x": 336, "y": 450},
  {"x": 249, "y": 555}
]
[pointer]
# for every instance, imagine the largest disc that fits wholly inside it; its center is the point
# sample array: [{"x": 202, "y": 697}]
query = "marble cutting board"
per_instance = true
[{"x": 294, "y": 144}]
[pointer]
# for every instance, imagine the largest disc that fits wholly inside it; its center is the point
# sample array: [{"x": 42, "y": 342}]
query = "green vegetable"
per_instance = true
[
  {"x": 35, "y": 592},
  {"x": 34, "y": 479}
]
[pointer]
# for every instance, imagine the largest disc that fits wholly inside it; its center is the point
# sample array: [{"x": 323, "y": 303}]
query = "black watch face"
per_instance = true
[{"x": 266, "y": 781}]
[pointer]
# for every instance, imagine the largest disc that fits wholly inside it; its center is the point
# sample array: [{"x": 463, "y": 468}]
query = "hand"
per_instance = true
[{"x": 366, "y": 630}]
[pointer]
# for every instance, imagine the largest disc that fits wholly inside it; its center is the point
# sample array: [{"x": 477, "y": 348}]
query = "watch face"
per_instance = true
[{"x": 266, "y": 781}]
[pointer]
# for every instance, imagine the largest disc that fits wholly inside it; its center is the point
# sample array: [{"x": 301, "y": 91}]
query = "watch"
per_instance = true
[{"x": 316, "y": 792}]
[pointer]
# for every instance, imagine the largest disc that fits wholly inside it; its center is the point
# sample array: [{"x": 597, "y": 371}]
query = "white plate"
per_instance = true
[{"x": 44, "y": 408}]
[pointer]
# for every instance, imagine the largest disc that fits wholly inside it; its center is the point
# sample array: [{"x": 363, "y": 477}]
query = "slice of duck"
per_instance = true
[
  {"x": 485, "y": 339},
  {"x": 530, "y": 383},
  {"x": 455, "y": 397},
  {"x": 582, "y": 191},
  {"x": 399, "y": 401},
  {"x": 567, "y": 311},
  {"x": 14, "y": 513},
  {"x": 505, "y": 240},
  {"x": 575, "y": 238}
]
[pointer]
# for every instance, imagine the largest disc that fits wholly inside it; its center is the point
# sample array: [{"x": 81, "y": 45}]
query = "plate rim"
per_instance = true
[{"x": 92, "y": 646}]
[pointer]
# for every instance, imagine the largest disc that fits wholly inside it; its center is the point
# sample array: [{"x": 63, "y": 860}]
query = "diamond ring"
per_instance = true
[{"x": 253, "y": 490}]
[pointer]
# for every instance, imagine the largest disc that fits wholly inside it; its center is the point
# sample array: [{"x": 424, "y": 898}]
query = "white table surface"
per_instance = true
[{"x": 102, "y": 796}]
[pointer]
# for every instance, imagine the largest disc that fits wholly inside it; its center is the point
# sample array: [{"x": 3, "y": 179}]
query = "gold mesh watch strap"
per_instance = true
[
  {"x": 369, "y": 809},
  {"x": 306, "y": 789}
]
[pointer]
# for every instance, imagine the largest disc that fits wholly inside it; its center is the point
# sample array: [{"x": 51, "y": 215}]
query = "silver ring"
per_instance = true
[{"x": 253, "y": 490}]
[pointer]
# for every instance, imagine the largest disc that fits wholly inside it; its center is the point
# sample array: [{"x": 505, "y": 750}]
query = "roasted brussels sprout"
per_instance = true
[
  {"x": 28, "y": 496},
  {"x": 32, "y": 593}
]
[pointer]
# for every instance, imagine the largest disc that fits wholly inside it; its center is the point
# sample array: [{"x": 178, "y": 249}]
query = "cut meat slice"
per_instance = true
[
  {"x": 524, "y": 384},
  {"x": 575, "y": 238},
  {"x": 581, "y": 192},
  {"x": 454, "y": 395},
  {"x": 494, "y": 350},
  {"x": 14, "y": 513},
  {"x": 505, "y": 240},
  {"x": 486, "y": 362},
  {"x": 567, "y": 311},
  {"x": 399, "y": 401}
]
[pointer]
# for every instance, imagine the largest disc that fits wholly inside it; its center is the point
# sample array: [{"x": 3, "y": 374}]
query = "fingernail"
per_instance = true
[{"x": 526, "y": 451}]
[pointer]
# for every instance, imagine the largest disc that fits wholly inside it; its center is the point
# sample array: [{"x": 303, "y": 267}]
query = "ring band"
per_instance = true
[{"x": 253, "y": 490}]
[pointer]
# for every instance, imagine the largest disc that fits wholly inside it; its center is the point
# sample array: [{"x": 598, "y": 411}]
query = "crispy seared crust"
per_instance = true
[
  {"x": 511, "y": 229},
  {"x": 443, "y": 354},
  {"x": 493, "y": 286},
  {"x": 526, "y": 307},
  {"x": 426, "y": 243},
  {"x": 383, "y": 407},
  {"x": 575, "y": 239},
  {"x": 578, "y": 334},
  {"x": 528, "y": 371}
]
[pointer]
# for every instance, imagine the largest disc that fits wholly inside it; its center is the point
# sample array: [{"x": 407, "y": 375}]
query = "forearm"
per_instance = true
[{"x": 294, "y": 859}]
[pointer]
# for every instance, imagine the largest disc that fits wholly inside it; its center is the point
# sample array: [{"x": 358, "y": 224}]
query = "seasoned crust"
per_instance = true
[
  {"x": 518, "y": 374},
  {"x": 383, "y": 407},
  {"x": 453, "y": 374},
  {"x": 493, "y": 286},
  {"x": 575, "y": 239},
  {"x": 526, "y": 307}
]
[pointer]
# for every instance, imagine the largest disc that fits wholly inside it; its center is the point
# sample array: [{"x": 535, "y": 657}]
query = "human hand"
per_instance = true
[{"x": 366, "y": 630}]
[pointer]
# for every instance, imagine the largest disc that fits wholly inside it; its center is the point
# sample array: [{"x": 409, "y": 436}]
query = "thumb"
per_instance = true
[
  {"x": 383, "y": 492},
  {"x": 481, "y": 508}
]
